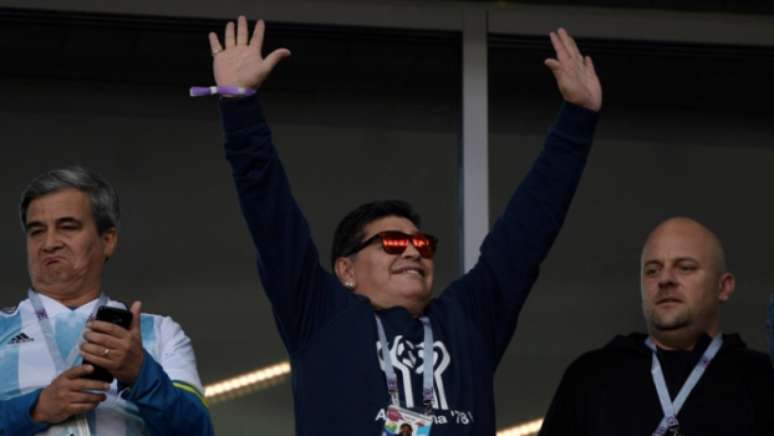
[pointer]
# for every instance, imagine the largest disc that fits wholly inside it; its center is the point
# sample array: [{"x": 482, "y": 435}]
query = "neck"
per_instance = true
[
  {"x": 683, "y": 339},
  {"x": 73, "y": 300}
]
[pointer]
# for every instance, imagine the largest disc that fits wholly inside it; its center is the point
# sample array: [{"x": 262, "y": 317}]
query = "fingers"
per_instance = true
[
  {"x": 590, "y": 65},
  {"x": 274, "y": 57},
  {"x": 83, "y": 384},
  {"x": 553, "y": 64},
  {"x": 241, "y": 38},
  {"x": 135, "y": 309},
  {"x": 85, "y": 397},
  {"x": 569, "y": 44},
  {"x": 77, "y": 372},
  {"x": 561, "y": 51},
  {"x": 89, "y": 350},
  {"x": 257, "y": 39},
  {"x": 229, "y": 38},
  {"x": 105, "y": 328},
  {"x": 215, "y": 46}
]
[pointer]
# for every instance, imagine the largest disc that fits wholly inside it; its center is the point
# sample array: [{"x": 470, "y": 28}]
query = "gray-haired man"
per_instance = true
[{"x": 70, "y": 217}]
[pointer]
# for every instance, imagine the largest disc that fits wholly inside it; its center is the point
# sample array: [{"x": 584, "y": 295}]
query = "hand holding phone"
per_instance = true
[
  {"x": 113, "y": 344},
  {"x": 113, "y": 315}
]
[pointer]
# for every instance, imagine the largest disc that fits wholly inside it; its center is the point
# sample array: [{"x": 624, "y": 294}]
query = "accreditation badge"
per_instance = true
[{"x": 405, "y": 422}]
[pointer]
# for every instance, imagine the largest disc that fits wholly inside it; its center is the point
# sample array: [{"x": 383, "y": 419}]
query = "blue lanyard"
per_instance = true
[
  {"x": 60, "y": 363},
  {"x": 427, "y": 356},
  {"x": 671, "y": 409}
]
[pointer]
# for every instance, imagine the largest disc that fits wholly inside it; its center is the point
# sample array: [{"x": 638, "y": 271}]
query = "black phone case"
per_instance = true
[{"x": 116, "y": 316}]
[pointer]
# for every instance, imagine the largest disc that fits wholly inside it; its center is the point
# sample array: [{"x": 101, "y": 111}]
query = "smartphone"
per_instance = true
[{"x": 115, "y": 315}]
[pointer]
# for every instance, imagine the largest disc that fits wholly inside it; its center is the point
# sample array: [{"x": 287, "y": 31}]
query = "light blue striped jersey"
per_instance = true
[{"x": 26, "y": 364}]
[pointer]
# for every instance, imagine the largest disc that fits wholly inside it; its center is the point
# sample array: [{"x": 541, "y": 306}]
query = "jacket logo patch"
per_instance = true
[
  {"x": 407, "y": 358},
  {"x": 21, "y": 338}
]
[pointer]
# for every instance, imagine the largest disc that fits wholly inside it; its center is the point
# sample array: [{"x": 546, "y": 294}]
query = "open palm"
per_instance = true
[
  {"x": 575, "y": 75},
  {"x": 241, "y": 63}
]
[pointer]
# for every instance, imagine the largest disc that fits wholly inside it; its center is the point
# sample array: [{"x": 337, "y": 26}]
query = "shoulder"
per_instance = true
[
  {"x": 9, "y": 310},
  {"x": 10, "y": 313},
  {"x": 752, "y": 360},
  {"x": 619, "y": 353}
]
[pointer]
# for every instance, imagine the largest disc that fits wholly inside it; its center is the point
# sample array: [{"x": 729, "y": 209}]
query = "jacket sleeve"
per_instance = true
[
  {"x": 301, "y": 292},
  {"x": 16, "y": 418},
  {"x": 168, "y": 392},
  {"x": 493, "y": 292},
  {"x": 167, "y": 407}
]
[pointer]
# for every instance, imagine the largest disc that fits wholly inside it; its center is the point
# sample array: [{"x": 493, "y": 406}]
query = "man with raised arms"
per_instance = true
[{"x": 369, "y": 346}]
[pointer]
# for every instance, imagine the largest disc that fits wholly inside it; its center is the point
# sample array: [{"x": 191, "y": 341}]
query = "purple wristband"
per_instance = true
[{"x": 230, "y": 91}]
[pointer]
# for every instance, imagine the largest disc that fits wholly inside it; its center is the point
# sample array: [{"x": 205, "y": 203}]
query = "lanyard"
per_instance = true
[
  {"x": 671, "y": 409},
  {"x": 48, "y": 332},
  {"x": 427, "y": 356}
]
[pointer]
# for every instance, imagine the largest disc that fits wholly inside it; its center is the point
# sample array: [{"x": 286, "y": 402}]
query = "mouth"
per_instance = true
[
  {"x": 414, "y": 271},
  {"x": 668, "y": 300},
  {"x": 51, "y": 260}
]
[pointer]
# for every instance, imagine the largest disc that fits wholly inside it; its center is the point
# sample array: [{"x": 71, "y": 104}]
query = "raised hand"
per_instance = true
[
  {"x": 574, "y": 73},
  {"x": 241, "y": 63},
  {"x": 114, "y": 348},
  {"x": 69, "y": 394}
]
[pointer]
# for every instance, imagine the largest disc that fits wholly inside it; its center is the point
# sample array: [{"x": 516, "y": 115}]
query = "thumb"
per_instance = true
[
  {"x": 135, "y": 309},
  {"x": 274, "y": 57}
]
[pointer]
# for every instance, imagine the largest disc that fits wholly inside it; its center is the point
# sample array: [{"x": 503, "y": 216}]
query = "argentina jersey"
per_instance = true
[{"x": 26, "y": 363}]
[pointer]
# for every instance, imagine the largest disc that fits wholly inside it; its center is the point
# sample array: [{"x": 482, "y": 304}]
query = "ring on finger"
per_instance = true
[
  {"x": 216, "y": 51},
  {"x": 106, "y": 353}
]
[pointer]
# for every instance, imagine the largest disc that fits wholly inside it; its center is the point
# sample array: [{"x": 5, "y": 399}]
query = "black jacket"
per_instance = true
[{"x": 610, "y": 391}]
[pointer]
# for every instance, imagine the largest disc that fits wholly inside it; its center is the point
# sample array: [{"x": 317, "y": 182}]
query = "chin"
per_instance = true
[
  {"x": 668, "y": 323},
  {"x": 419, "y": 294}
]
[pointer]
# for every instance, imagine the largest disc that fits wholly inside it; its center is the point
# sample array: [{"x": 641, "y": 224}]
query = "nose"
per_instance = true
[
  {"x": 411, "y": 252},
  {"x": 51, "y": 242},
  {"x": 666, "y": 279}
]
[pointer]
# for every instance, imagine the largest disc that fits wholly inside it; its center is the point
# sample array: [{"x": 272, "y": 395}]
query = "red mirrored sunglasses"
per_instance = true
[{"x": 395, "y": 242}]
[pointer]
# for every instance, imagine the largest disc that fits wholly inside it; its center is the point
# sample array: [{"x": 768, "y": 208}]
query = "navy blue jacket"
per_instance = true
[{"x": 330, "y": 332}]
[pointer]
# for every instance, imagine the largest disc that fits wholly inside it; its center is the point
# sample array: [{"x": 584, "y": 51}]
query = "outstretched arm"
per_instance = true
[
  {"x": 494, "y": 291},
  {"x": 301, "y": 292}
]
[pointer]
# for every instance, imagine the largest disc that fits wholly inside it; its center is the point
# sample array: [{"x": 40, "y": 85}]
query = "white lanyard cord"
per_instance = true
[
  {"x": 60, "y": 363},
  {"x": 671, "y": 409},
  {"x": 428, "y": 357}
]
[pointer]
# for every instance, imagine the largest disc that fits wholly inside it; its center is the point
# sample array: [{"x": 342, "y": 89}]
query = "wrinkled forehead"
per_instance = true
[{"x": 68, "y": 202}]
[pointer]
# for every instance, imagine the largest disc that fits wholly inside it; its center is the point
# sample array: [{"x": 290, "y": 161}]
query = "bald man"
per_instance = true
[{"x": 684, "y": 377}]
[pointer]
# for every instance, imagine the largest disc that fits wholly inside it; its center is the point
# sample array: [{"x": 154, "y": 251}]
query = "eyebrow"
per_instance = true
[{"x": 675, "y": 260}]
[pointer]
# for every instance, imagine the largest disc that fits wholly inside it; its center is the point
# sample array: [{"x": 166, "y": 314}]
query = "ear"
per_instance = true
[
  {"x": 727, "y": 286},
  {"x": 345, "y": 271},
  {"x": 110, "y": 239}
]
